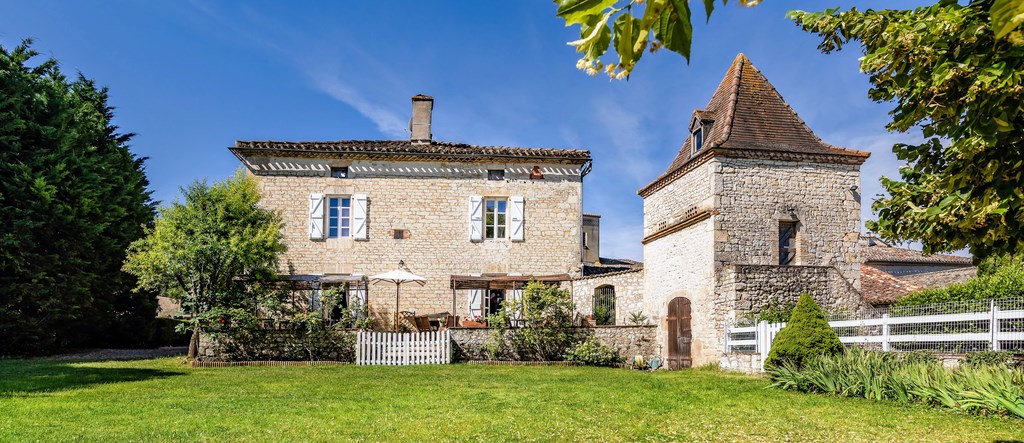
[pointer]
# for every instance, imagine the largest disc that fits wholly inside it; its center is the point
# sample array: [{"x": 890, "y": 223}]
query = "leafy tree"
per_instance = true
[
  {"x": 807, "y": 334},
  {"x": 949, "y": 75},
  {"x": 210, "y": 252},
  {"x": 653, "y": 24},
  {"x": 72, "y": 197}
]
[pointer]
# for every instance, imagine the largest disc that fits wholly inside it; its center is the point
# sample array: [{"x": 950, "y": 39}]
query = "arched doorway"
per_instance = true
[{"x": 679, "y": 333}]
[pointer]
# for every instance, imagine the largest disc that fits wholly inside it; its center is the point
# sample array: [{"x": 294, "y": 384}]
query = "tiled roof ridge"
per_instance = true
[
  {"x": 406, "y": 147},
  {"x": 734, "y": 96}
]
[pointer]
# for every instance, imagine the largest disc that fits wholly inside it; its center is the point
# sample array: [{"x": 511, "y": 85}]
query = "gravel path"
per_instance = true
[{"x": 121, "y": 354}]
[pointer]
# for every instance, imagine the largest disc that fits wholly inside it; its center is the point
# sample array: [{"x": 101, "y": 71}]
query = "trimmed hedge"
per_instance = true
[{"x": 806, "y": 335}]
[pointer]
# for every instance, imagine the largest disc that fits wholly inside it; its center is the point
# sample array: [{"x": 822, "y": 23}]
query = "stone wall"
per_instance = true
[
  {"x": 430, "y": 201},
  {"x": 756, "y": 194},
  {"x": 629, "y": 293},
  {"x": 753, "y": 287},
  {"x": 746, "y": 362},
  {"x": 467, "y": 343}
]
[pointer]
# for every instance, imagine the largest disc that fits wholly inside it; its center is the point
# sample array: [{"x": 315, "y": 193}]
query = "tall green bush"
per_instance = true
[
  {"x": 806, "y": 335},
  {"x": 72, "y": 197}
]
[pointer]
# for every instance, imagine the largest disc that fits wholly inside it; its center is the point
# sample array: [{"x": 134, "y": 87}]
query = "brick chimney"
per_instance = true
[{"x": 419, "y": 126}]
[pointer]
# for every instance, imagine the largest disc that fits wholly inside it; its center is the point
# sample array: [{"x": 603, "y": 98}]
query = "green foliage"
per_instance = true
[
  {"x": 1007, "y": 282},
  {"x": 950, "y": 75},
  {"x": 806, "y": 335},
  {"x": 988, "y": 358},
  {"x": 918, "y": 356},
  {"x": 637, "y": 318},
  {"x": 545, "y": 329},
  {"x": 883, "y": 376},
  {"x": 592, "y": 353},
  {"x": 633, "y": 26},
  {"x": 212, "y": 251},
  {"x": 72, "y": 197}
]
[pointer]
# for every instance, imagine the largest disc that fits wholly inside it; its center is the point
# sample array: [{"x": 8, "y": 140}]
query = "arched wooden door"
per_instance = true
[{"x": 679, "y": 333}]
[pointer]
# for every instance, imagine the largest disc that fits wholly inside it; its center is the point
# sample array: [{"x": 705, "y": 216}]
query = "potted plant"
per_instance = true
[
  {"x": 589, "y": 321},
  {"x": 474, "y": 321}
]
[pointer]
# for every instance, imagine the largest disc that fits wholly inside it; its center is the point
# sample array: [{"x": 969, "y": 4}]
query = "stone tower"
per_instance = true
[{"x": 755, "y": 208}]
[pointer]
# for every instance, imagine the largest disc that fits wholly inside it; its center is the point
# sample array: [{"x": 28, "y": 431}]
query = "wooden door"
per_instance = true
[{"x": 679, "y": 333}]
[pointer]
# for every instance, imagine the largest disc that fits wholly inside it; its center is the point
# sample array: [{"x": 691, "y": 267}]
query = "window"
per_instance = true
[
  {"x": 787, "y": 243},
  {"x": 341, "y": 172},
  {"x": 698, "y": 139},
  {"x": 604, "y": 305},
  {"x": 495, "y": 300},
  {"x": 495, "y": 212},
  {"x": 495, "y": 174},
  {"x": 586, "y": 243},
  {"x": 339, "y": 217}
]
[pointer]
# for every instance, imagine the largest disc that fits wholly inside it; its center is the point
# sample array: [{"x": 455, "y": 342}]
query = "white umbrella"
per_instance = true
[{"x": 398, "y": 276}]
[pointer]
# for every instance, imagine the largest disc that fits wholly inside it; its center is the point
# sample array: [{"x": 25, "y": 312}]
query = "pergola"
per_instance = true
[{"x": 506, "y": 282}]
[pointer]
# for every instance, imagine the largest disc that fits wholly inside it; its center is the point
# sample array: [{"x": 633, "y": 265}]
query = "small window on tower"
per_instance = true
[
  {"x": 339, "y": 172},
  {"x": 787, "y": 243},
  {"x": 495, "y": 174},
  {"x": 698, "y": 139}
]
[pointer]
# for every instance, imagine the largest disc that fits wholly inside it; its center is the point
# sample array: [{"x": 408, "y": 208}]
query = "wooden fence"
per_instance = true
[
  {"x": 999, "y": 327},
  {"x": 401, "y": 349}
]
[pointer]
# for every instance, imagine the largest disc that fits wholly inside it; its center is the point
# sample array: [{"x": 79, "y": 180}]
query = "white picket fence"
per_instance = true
[
  {"x": 995, "y": 328},
  {"x": 402, "y": 349}
]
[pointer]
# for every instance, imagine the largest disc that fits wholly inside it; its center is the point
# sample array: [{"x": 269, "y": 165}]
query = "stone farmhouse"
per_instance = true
[
  {"x": 755, "y": 209},
  {"x": 476, "y": 221}
]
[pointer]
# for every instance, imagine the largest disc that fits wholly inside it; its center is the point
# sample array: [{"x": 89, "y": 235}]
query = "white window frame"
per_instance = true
[
  {"x": 490, "y": 230},
  {"x": 339, "y": 228}
]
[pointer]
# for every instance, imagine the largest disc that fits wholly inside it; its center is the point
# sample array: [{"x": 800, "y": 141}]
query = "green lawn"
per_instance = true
[{"x": 162, "y": 400}]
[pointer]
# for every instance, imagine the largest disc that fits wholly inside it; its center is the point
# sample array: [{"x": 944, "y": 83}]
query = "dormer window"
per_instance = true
[{"x": 698, "y": 138}]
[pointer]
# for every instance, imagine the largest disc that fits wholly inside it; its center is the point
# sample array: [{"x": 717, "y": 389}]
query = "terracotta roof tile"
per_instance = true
[
  {"x": 882, "y": 288},
  {"x": 746, "y": 113},
  {"x": 406, "y": 148},
  {"x": 880, "y": 253}
]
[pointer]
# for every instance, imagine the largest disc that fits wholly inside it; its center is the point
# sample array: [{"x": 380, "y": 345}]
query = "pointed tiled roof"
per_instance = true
[{"x": 747, "y": 117}]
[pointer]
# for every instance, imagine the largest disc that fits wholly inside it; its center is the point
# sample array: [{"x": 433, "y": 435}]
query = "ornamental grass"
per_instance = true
[{"x": 883, "y": 376}]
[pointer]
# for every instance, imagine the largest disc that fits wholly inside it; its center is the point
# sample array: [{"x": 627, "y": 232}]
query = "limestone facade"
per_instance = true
[{"x": 429, "y": 202}]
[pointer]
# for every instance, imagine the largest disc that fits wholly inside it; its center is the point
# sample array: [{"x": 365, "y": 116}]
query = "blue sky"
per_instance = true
[{"x": 190, "y": 78}]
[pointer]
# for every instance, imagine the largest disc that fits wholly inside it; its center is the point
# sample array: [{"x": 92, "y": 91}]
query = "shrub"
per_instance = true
[
  {"x": 637, "y": 318},
  {"x": 592, "y": 352},
  {"x": 988, "y": 358},
  {"x": 806, "y": 335},
  {"x": 919, "y": 356},
  {"x": 1005, "y": 282},
  {"x": 546, "y": 332}
]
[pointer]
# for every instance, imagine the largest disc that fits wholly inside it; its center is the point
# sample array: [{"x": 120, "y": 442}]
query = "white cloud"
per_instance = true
[{"x": 388, "y": 122}]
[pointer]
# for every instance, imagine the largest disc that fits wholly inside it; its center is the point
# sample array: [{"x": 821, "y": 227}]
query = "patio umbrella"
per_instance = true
[{"x": 398, "y": 276}]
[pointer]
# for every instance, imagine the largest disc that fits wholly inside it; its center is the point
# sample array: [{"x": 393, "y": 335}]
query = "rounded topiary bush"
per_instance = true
[{"x": 806, "y": 335}]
